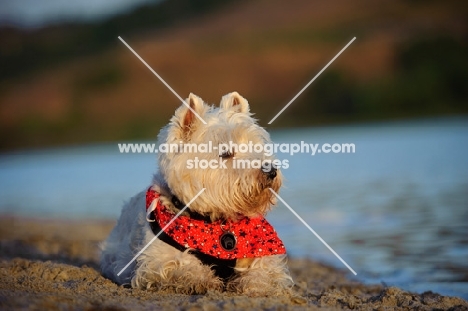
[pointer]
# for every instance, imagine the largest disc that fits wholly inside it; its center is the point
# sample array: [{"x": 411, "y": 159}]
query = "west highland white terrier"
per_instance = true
[{"x": 221, "y": 241}]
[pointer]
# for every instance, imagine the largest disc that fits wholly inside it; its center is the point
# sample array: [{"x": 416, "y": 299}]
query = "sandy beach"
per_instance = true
[{"x": 53, "y": 265}]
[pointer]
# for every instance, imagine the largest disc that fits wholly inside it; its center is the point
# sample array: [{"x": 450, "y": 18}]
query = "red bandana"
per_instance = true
[{"x": 255, "y": 237}]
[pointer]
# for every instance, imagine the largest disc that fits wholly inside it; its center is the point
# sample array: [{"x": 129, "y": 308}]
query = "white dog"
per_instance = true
[{"x": 221, "y": 241}]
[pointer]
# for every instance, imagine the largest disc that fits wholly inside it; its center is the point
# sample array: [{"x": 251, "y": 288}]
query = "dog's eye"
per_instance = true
[{"x": 225, "y": 154}]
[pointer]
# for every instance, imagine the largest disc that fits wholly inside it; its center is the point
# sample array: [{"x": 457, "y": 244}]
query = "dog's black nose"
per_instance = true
[
  {"x": 272, "y": 173},
  {"x": 269, "y": 171}
]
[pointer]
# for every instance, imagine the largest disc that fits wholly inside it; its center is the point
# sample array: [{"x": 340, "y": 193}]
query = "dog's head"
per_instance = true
[{"x": 224, "y": 156}]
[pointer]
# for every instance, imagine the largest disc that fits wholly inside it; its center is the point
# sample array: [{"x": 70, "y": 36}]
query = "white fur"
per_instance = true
[{"x": 229, "y": 193}]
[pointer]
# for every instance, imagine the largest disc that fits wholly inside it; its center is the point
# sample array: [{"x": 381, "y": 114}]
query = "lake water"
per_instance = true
[
  {"x": 396, "y": 210},
  {"x": 31, "y": 13}
]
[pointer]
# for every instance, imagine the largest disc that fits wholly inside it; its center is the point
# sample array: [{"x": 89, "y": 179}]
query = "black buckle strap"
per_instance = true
[{"x": 194, "y": 215}]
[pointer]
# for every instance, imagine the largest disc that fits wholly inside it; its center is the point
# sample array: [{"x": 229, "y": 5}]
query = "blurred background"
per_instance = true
[{"x": 396, "y": 210}]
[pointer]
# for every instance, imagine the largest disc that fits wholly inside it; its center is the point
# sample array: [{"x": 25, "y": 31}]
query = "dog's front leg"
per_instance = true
[
  {"x": 264, "y": 276},
  {"x": 163, "y": 267}
]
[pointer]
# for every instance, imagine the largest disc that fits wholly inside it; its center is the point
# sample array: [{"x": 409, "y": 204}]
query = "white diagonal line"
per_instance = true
[
  {"x": 157, "y": 235},
  {"x": 162, "y": 80},
  {"x": 310, "y": 82},
  {"x": 315, "y": 233}
]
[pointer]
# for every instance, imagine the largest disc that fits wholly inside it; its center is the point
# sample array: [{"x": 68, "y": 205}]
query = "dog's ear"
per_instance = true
[
  {"x": 189, "y": 115},
  {"x": 233, "y": 101}
]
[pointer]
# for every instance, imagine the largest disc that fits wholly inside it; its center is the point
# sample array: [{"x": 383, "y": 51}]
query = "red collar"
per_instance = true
[{"x": 254, "y": 237}]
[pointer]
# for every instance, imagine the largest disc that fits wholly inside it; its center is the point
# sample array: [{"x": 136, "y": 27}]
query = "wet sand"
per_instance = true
[{"x": 53, "y": 265}]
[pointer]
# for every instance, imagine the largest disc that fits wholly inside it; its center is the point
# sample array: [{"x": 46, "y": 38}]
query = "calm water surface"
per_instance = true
[{"x": 396, "y": 210}]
